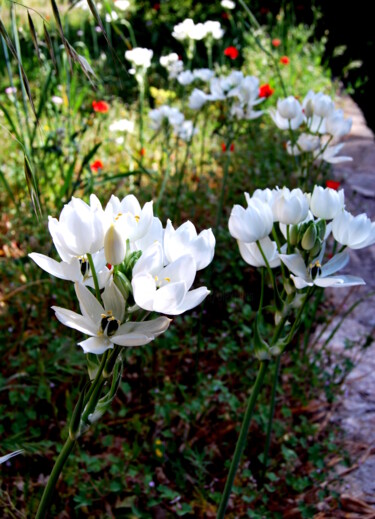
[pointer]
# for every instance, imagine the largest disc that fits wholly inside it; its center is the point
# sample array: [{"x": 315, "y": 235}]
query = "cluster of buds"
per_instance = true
[{"x": 319, "y": 126}]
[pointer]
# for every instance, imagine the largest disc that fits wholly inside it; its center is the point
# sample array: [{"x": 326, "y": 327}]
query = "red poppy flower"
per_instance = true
[
  {"x": 95, "y": 166},
  {"x": 276, "y": 42},
  {"x": 156, "y": 7},
  {"x": 100, "y": 106},
  {"x": 224, "y": 147},
  {"x": 142, "y": 152},
  {"x": 265, "y": 90},
  {"x": 231, "y": 52},
  {"x": 333, "y": 184},
  {"x": 284, "y": 60}
]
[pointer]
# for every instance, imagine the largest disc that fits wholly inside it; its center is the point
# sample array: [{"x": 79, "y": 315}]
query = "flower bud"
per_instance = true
[
  {"x": 321, "y": 228},
  {"x": 316, "y": 249},
  {"x": 114, "y": 246},
  {"x": 309, "y": 237},
  {"x": 293, "y": 234},
  {"x": 123, "y": 284},
  {"x": 261, "y": 348}
]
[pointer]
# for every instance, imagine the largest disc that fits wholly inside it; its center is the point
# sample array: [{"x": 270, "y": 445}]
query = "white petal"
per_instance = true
[
  {"x": 137, "y": 334},
  {"x": 96, "y": 345},
  {"x": 300, "y": 282},
  {"x": 169, "y": 297},
  {"x": 183, "y": 269},
  {"x": 191, "y": 300},
  {"x": 144, "y": 290},
  {"x": 151, "y": 260},
  {"x": 113, "y": 300},
  {"x": 7, "y": 457},
  {"x": 76, "y": 321},
  {"x": 295, "y": 264},
  {"x": 90, "y": 306},
  {"x": 334, "y": 264},
  {"x": 339, "y": 281},
  {"x": 62, "y": 270}
]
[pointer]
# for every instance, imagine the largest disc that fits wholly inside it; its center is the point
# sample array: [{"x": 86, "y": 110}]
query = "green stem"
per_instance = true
[
  {"x": 94, "y": 277},
  {"x": 56, "y": 471},
  {"x": 224, "y": 184},
  {"x": 241, "y": 442},
  {"x": 270, "y": 418}
]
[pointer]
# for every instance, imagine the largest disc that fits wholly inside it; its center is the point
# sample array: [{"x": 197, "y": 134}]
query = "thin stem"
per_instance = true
[
  {"x": 241, "y": 442},
  {"x": 270, "y": 418},
  {"x": 52, "y": 480},
  {"x": 223, "y": 185},
  {"x": 94, "y": 277}
]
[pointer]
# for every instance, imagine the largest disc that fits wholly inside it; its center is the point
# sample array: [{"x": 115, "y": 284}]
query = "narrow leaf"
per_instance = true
[
  {"x": 32, "y": 187},
  {"x": 34, "y": 36},
  {"x": 50, "y": 46},
  {"x": 56, "y": 14}
]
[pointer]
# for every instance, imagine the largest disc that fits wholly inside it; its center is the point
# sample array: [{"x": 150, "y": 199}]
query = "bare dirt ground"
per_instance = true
[{"x": 355, "y": 413}]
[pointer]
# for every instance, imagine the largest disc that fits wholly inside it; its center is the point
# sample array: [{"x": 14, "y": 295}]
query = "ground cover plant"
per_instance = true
[{"x": 130, "y": 133}]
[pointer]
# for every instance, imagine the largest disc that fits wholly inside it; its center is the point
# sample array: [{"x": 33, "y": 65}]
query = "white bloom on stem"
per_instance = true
[
  {"x": 57, "y": 100},
  {"x": 265, "y": 195},
  {"x": 251, "y": 254},
  {"x": 289, "y": 114},
  {"x": 111, "y": 17},
  {"x": 320, "y": 275},
  {"x": 105, "y": 325},
  {"x": 197, "y": 99},
  {"x": 188, "y": 29},
  {"x": 355, "y": 232},
  {"x": 115, "y": 244},
  {"x": 228, "y": 4},
  {"x": 173, "y": 64},
  {"x": 290, "y": 207},
  {"x": 213, "y": 29},
  {"x": 204, "y": 74},
  {"x": 186, "y": 130},
  {"x": 337, "y": 125},
  {"x": 329, "y": 154},
  {"x": 123, "y": 5},
  {"x": 80, "y": 229},
  {"x": 185, "y": 240},
  {"x": 166, "y": 61},
  {"x": 132, "y": 221},
  {"x": 326, "y": 203},
  {"x": 185, "y": 78},
  {"x": 165, "y": 112},
  {"x": 166, "y": 289},
  {"x": 122, "y": 125},
  {"x": 216, "y": 90},
  {"x": 154, "y": 234},
  {"x": 306, "y": 143},
  {"x": 140, "y": 57},
  {"x": 251, "y": 224}
]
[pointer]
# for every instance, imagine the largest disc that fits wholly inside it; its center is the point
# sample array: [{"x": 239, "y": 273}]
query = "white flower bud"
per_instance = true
[
  {"x": 114, "y": 245},
  {"x": 326, "y": 203}
]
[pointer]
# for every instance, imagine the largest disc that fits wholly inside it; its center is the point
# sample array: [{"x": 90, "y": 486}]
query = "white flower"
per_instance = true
[
  {"x": 123, "y": 5},
  {"x": 166, "y": 61},
  {"x": 186, "y": 130},
  {"x": 265, "y": 195},
  {"x": 290, "y": 207},
  {"x": 197, "y": 99},
  {"x": 316, "y": 274},
  {"x": 165, "y": 289},
  {"x": 356, "y": 232},
  {"x": 172, "y": 115},
  {"x": 204, "y": 74},
  {"x": 251, "y": 254},
  {"x": 251, "y": 224},
  {"x": 326, "y": 203},
  {"x": 183, "y": 30},
  {"x": 228, "y": 4},
  {"x": 185, "y": 78},
  {"x": 306, "y": 143},
  {"x": 111, "y": 17},
  {"x": 288, "y": 115},
  {"x": 329, "y": 154},
  {"x": 122, "y": 125},
  {"x": 247, "y": 91},
  {"x": 337, "y": 125},
  {"x": 105, "y": 325},
  {"x": 185, "y": 240},
  {"x": 213, "y": 29},
  {"x": 132, "y": 221},
  {"x": 217, "y": 91},
  {"x": 115, "y": 244},
  {"x": 57, "y": 100},
  {"x": 140, "y": 57},
  {"x": 80, "y": 229}
]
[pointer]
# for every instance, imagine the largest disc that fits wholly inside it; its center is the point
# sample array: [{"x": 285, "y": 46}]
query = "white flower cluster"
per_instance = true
[
  {"x": 172, "y": 116},
  {"x": 173, "y": 64},
  {"x": 244, "y": 90},
  {"x": 306, "y": 221},
  {"x": 124, "y": 252},
  {"x": 320, "y": 122},
  {"x": 140, "y": 57},
  {"x": 189, "y": 30}
]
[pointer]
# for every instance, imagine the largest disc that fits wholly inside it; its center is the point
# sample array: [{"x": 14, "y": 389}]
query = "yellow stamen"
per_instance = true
[
  {"x": 137, "y": 218},
  {"x": 167, "y": 280}
]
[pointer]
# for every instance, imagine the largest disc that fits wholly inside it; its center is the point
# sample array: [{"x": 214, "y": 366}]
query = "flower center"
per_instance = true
[
  {"x": 84, "y": 266},
  {"x": 315, "y": 269},
  {"x": 161, "y": 282},
  {"x": 109, "y": 324}
]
